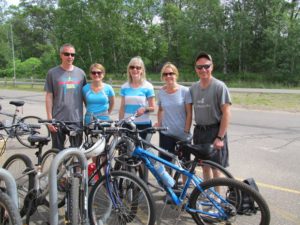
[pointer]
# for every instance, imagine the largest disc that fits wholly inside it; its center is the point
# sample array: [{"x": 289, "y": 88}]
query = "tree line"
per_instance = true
[{"x": 257, "y": 40}]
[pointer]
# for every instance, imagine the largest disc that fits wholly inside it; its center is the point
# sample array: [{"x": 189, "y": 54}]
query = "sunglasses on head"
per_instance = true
[
  {"x": 200, "y": 67},
  {"x": 135, "y": 67},
  {"x": 97, "y": 72},
  {"x": 168, "y": 74},
  {"x": 68, "y": 54}
]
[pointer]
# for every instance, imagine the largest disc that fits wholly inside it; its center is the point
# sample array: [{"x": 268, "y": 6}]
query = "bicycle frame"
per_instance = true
[
  {"x": 148, "y": 158},
  {"x": 10, "y": 130}
]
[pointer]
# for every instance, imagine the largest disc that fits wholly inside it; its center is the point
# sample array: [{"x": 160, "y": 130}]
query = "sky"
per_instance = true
[{"x": 12, "y": 2}]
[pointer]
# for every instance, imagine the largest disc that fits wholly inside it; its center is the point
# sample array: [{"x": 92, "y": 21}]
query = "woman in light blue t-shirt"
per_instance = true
[
  {"x": 99, "y": 97},
  {"x": 137, "y": 95},
  {"x": 174, "y": 110}
]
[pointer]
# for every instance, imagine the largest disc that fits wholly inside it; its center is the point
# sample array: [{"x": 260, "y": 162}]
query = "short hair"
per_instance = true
[
  {"x": 137, "y": 60},
  {"x": 97, "y": 66},
  {"x": 61, "y": 50},
  {"x": 169, "y": 65}
]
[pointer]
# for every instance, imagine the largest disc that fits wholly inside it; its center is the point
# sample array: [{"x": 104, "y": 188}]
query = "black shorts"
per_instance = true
[
  {"x": 168, "y": 143},
  {"x": 207, "y": 134}
]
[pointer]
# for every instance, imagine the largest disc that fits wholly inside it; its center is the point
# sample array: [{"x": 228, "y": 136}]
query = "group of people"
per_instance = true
[{"x": 67, "y": 89}]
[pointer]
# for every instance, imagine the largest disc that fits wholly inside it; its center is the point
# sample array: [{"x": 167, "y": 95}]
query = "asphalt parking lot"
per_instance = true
[{"x": 263, "y": 144}]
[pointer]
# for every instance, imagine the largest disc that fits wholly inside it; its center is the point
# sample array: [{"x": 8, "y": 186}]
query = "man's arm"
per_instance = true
[
  {"x": 189, "y": 115},
  {"x": 49, "y": 106},
  {"x": 218, "y": 143}
]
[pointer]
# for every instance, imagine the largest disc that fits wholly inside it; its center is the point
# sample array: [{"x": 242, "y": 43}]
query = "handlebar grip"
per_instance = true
[
  {"x": 111, "y": 129},
  {"x": 45, "y": 121},
  {"x": 34, "y": 126},
  {"x": 161, "y": 128}
]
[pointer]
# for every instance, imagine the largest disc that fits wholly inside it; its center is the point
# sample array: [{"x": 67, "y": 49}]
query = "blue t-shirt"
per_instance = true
[
  {"x": 136, "y": 98},
  {"x": 97, "y": 104}
]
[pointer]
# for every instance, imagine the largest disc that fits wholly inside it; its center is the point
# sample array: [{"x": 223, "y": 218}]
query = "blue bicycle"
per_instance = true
[{"x": 215, "y": 201}]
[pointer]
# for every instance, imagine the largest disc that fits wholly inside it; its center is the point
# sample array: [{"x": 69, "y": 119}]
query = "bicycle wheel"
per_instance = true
[
  {"x": 47, "y": 159},
  {"x": 228, "y": 204},
  {"x": 21, "y": 168},
  {"x": 133, "y": 202},
  {"x": 24, "y": 130},
  {"x": 73, "y": 201},
  {"x": 9, "y": 214}
]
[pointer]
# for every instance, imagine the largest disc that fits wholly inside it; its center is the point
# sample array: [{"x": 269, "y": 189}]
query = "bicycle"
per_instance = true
[
  {"x": 9, "y": 214},
  {"x": 209, "y": 202},
  {"x": 20, "y": 127},
  {"x": 126, "y": 196},
  {"x": 125, "y": 162},
  {"x": 31, "y": 180}
]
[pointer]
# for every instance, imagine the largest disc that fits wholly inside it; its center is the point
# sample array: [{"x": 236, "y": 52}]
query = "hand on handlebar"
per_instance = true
[
  {"x": 52, "y": 128},
  {"x": 141, "y": 111}
]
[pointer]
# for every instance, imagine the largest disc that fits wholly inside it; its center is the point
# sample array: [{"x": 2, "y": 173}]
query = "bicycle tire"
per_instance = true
[
  {"x": 47, "y": 158},
  {"x": 134, "y": 200},
  {"x": 198, "y": 200},
  {"x": 9, "y": 213},
  {"x": 22, "y": 135},
  {"x": 17, "y": 165},
  {"x": 73, "y": 201}
]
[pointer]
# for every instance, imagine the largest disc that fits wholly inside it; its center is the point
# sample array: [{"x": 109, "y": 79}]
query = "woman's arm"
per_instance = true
[
  {"x": 189, "y": 117},
  {"x": 122, "y": 108}
]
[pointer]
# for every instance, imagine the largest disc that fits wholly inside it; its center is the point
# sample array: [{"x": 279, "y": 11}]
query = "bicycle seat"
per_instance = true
[
  {"x": 201, "y": 151},
  {"x": 17, "y": 103},
  {"x": 42, "y": 140}
]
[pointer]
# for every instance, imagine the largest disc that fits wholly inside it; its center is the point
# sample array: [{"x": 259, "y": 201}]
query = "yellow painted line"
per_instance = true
[
  {"x": 274, "y": 187},
  {"x": 279, "y": 188}
]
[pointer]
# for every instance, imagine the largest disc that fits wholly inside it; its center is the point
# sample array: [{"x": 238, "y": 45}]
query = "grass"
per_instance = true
[
  {"x": 267, "y": 101},
  {"x": 259, "y": 101}
]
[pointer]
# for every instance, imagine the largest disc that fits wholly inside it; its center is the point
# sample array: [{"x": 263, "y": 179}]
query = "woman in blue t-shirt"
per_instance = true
[
  {"x": 99, "y": 97},
  {"x": 137, "y": 95},
  {"x": 174, "y": 110}
]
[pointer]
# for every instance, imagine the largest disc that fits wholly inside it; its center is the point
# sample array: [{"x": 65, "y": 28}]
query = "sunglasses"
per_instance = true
[
  {"x": 200, "y": 67},
  {"x": 97, "y": 72},
  {"x": 68, "y": 54},
  {"x": 135, "y": 67},
  {"x": 168, "y": 74}
]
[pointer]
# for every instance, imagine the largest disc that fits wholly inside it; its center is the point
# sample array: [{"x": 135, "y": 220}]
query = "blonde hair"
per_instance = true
[
  {"x": 136, "y": 61},
  {"x": 97, "y": 66},
  {"x": 169, "y": 65}
]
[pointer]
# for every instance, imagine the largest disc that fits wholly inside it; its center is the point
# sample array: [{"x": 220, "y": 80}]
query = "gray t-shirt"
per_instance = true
[
  {"x": 207, "y": 102},
  {"x": 174, "y": 114},
  {"x": 66, "y": 87}
]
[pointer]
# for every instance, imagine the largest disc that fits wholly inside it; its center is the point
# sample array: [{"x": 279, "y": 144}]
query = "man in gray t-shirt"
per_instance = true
[
  {"x": 64, "y": 99},
  {"x": 211, "y": 103}
]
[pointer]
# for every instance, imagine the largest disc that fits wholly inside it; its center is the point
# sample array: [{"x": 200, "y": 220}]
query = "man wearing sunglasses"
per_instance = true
[
  {"x": 211, "y": 103},
  {"x": 64, "y": 100}
]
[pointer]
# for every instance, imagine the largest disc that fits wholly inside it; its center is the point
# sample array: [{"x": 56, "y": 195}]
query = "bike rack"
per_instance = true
[
  {"x": 10, "y": 184},
  {"x": 53, "y": 178}
]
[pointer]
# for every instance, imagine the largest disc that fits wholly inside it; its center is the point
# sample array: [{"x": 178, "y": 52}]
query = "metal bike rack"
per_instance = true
[
  {"x": 10, "y": 184},
  {"x": 53, "y": 180}
]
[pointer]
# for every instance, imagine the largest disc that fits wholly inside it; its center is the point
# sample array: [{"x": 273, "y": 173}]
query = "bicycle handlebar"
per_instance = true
[{"x": 146, "y": 130}]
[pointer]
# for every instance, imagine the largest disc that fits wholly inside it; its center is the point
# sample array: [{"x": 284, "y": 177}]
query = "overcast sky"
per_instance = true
[{"x": 12, "y": 2}]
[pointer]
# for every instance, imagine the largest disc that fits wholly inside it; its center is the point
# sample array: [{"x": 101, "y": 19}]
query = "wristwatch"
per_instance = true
[{"x": 220, "y": 138}]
